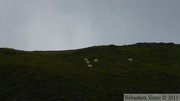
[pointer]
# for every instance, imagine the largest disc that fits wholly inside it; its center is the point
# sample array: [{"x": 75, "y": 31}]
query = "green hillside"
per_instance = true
[{"x": 64, "y": 75}]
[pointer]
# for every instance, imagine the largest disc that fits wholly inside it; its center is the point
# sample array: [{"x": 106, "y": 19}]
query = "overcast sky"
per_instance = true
[{"x": 73, "y": 24}]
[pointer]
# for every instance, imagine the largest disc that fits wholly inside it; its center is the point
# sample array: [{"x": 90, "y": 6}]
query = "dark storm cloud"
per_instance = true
[{"x": 67, "y": 24}]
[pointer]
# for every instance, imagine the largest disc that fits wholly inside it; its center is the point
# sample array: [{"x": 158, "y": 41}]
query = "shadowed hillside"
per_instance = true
[{"x": 64, "y": 75}]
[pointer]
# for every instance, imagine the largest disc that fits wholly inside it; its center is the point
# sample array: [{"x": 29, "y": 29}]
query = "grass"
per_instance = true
[{"x": 64, "y": 76}]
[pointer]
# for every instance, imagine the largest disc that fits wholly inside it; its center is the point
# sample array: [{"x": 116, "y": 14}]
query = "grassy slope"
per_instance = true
[{"x": 63, "y": 75}]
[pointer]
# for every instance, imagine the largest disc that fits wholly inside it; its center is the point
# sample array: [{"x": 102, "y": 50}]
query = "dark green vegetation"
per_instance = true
[{"x": 64, "y": 76}]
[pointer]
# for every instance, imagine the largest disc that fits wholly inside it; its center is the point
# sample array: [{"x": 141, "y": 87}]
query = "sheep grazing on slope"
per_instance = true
[
  {"x": 130, "y": 59},
  {"x": 90, "y": 65},
  {"x": 85, "y": 59},
  {"x": 87, "y": 62},
  {"x": 95, "y": 60}
]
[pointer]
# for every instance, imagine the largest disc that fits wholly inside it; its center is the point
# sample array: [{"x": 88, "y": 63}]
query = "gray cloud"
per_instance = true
[{"x": 72, "y": 24}]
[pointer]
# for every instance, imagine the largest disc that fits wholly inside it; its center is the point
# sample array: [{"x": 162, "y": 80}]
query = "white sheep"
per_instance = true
[
  {"x": 90, "y": 65},
  {"x": 85, "y": 59},
  {"x": 130, "y": 59},
  {"x": 95, "y": 60},
  {"x": 87, "y": 62}
]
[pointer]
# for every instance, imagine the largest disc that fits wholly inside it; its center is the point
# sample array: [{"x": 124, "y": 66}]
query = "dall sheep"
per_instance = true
[
  {"x": 95, "y": 60},
  {"x": 130, "y": 59},
  {"x": 87, "y": 62},
  {"x": 85, "y": 59},
  {"x": 90, "y": 65}
]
